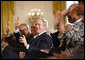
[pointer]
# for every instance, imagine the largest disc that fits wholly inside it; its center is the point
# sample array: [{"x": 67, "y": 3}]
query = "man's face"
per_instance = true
[
  {"x": 3, "y": 37},
  {"x": 33, "y": 29},
  {"x": 71, "y": 17},
  {"x": 72, "y": 13},
  {"x": 39, "y": 27},
  {"x": 23, "y": 30}
]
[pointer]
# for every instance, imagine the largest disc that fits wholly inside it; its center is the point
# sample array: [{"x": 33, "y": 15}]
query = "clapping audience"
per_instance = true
[
  {"x": 75, "y": 36},
  {"x": 67, "y": 42}
]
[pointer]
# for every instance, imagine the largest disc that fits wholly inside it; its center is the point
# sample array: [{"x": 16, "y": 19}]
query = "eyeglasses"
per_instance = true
[{"x": 23, "y": 30}]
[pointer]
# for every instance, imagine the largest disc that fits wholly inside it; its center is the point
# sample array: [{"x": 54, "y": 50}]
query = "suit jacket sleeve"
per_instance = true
[
  {"x": 55, "y": 39},
  {"x": 47, "y": 42},
  {"x": 10, "y": 40}
]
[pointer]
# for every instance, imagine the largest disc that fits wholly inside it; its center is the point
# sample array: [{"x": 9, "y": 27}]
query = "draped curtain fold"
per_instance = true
[
  {"x": 7, "y": 12},
  {"x": 58, "y": 6}
]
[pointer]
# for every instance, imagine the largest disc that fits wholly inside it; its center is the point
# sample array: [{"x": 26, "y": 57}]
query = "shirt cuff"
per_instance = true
[
  {"x": 16, "y": 31},
  {"x": 54, "y": 31},
  {"x": 27, "y": 47},
  {"x": 62, "y": 36}
]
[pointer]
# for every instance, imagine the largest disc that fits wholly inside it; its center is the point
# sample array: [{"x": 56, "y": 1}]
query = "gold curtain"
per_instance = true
[
  {"x": 7, "y": 12},
  {"x": 58, "y": 6}
]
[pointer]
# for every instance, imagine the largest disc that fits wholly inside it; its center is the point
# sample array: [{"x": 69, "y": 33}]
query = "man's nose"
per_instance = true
[
  {"x": 36, "y": 26},
  {"x": 22, "y": 32}
]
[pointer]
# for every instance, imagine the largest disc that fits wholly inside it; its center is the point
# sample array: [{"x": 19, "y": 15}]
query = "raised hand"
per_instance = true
[
  {"x": 60, "y": 20},
  {"x": 23, "y": 40},
  {"x": 64, "y": 12},
  {"x": 17, "y": 23},
  {"x": 7, "y": 28},
  {"x": 62, "y": 25},
  {"x": 57, "y": 19}
]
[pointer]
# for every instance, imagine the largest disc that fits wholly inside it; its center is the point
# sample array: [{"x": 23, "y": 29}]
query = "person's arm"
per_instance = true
[
  {"x": 57, "y": 19},
  {"x": 9, "y": 36},
  {"x": 23, "y": 40},
  {"x": 62, "y": 31},
  {"x": 17, "y": 23},
  {"x": 28, "y": 46},
  {"x": 60, "y": 20},
  {"x": 8, "y": 28},
  {"x": 62, "y": 25},
  {"x": 65, "y": 12}
]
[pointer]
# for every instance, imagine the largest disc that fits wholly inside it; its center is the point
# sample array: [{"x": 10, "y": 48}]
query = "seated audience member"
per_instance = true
[
  {"x": 33, "y": 54},
  {"x": 75, "y": 36},
  {"x": 79, "y": 54},
  {"x": 39, "y": 42},
  {"x": 22, "y": 54},
  {"x": 76, "y": 54},
  {"x": 14, "y": 47},
  {"x": 8, "y": 51},
  {"x": 58, "y": 47},
  {"x": 3, "y": 42},
  {"x": 33, "y": 31}
]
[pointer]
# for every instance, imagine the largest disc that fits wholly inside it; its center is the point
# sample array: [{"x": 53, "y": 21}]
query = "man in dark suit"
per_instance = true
[{"x": 40, "y": 41}]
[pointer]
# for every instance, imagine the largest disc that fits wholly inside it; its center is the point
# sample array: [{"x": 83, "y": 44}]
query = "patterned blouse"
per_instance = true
[{"x": 74, "y": 37}]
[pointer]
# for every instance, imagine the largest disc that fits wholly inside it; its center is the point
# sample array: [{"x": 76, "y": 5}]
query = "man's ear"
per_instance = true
[{"x": 45, "y": 26}]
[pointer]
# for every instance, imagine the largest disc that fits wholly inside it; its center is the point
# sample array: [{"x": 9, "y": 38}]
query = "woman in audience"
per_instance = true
[{"x": 73, "y": 42}]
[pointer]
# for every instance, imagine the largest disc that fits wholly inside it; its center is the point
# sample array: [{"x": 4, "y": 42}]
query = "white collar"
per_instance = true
[
  {"x": 54, "y": 31},
  {"x": 39, "y": 34},
  {"x": 79, "y": 19}
]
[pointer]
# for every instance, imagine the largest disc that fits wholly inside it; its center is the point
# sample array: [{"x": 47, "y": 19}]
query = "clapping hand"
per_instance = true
[
  {"x": 23, "y": 40},
  {"x": 17, "y": 23},
  {"x": 8, "y": 28},
  {"x": 57, "y": 19},
  {"x": 60, "y": 20}
]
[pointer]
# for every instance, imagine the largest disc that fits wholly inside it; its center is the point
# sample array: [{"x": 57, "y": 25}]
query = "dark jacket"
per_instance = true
[
  {"x": 56, "y": 43},
  {"x": 14, "y": 43},
  {"x": 55, "y": 39},
  {"x": 44, "y": 41}
]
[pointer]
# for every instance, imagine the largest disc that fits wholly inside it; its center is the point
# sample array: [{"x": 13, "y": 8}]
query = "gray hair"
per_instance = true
[
  {"x": 45, "y": 22},
  {"x": 26, "y": 25}
]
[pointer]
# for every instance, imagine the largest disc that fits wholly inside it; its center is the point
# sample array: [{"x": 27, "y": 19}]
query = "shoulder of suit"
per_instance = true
[{"x": 45, "y": 35}]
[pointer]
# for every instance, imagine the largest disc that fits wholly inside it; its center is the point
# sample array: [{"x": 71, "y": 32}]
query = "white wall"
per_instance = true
[{"x": 24, "y": 7}]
